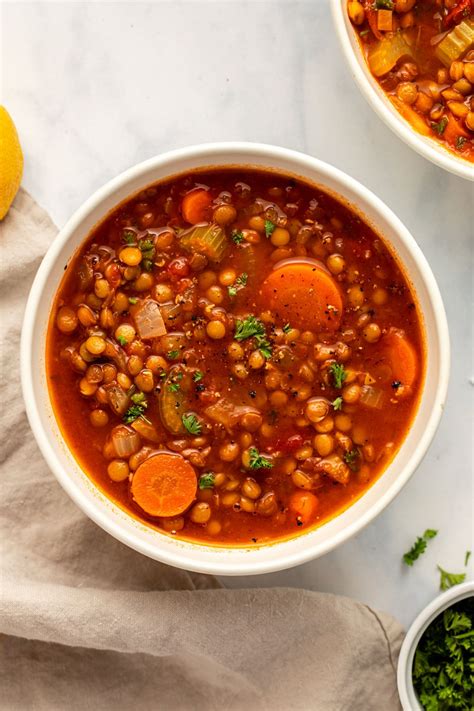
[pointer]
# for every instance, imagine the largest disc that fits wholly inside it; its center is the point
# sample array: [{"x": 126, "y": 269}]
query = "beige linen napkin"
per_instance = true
[{"x": 87, "y": 623}]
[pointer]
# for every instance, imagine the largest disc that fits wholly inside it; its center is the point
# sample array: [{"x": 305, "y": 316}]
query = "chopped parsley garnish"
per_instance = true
[
  {"x": 257, "y": 461},
  {"x": 384, "y": 4},
  {"x": 191, "y": 424},
  {"x": 147, "y": 264},
  {"x": 449, "y": 580},
  {"x": 122, "y": 340},
  {"x": 198, "y": 375},
  {"x": 419, "y": 546},
  {"x": 337, "y": 403},
  {"x": 132, "y": 299},
  {"x": 352, "y": 459},
  {"x": 172, "y": 355},
  {"x": 466, "y": 558},
  {"x": 269, "y": 228},
  {"x": 137, "y": 409},
  {"x": 206, "y": 481},
  {"x": 249, "y": 327},
  {"x": 242, "y": 279},
  {"x": 442, "y": 668},
  {"x": 338, "y": 373},
  {"x": 232, "y": 291},
  {"x": 129, "y": 236},
  {"x": 460, "y": 141},
  {"x": 237, "y": 236},
  {"x": 440, "y": 126},
  {"x": 146, "y": 245},
  {"x": 174, "y": 387},
  {"x": 286, "y": 328},
  {"x": 239, "y": 282}
]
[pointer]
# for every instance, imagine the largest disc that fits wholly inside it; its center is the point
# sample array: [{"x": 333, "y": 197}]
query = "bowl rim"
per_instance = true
[
  {"x": 419, "y": 625},
  {"x": 424, "y": 146},
  {"x": 180, "y": 557}
]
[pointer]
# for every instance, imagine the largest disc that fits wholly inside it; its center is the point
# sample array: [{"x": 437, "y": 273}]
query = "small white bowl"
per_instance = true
[
  {"x": 193, "y": 556},
  {"x": 370, "y": 88},
  {"x": 406, "y": 691}
]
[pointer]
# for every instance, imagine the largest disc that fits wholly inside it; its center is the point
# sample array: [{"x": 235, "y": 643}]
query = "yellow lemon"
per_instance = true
[{"x": 11, "y": 162}]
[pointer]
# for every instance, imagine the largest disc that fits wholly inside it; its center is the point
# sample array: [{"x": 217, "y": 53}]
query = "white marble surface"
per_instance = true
[{"x": 95, "y": 87}]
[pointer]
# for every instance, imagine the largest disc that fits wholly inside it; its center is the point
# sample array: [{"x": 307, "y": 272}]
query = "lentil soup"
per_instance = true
[
  {"x": 422, "y": 54},
  {"x": 234, "y": 356}
]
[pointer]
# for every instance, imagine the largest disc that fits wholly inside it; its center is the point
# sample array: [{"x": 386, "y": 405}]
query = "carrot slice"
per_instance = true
[
  {"x": 164, "y": 485},
  {"x": 303, "y": 295},
  {"x": 195, "y": 206},
  {"x": 402, "y": 356},
  {"x": 304, "y": 505}
]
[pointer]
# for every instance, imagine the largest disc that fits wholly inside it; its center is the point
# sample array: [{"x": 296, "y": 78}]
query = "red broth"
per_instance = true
[{"x": 234, "y": 356}]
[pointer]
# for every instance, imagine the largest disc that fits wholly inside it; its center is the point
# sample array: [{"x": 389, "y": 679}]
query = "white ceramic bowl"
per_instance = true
[
  {"x": 192, "y": 556},
  {"x": 406, "y": 691},
  {"x": 425, "y": 146}
]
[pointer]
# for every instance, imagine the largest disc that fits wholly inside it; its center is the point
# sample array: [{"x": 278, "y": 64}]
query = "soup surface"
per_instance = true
[
  {"x": 422, "y": 54},
  {"x": 234, "y": 356}
]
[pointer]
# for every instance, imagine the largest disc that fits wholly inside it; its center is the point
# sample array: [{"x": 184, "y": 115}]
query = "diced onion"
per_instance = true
[
  {"x": 118, "y": 399},
  {"x": 149, "y": 320},
  {"x": 372, "y": 397},
  {"x": 146, "y": 429},
  {"x": 125, "y": 441},
  {"x": 227, "y": 414}
]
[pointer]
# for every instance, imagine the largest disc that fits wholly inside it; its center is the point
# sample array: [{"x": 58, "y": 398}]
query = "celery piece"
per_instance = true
[{"x": 454, "y": 45}]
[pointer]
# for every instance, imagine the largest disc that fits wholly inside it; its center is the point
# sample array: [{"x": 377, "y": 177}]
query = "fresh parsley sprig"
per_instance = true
[
  {"x": 338, "y": 373},
  {"x": 419, "y": 546},
  {"x": 258, "y": 461},
  {"x": 191, "y": 424}
]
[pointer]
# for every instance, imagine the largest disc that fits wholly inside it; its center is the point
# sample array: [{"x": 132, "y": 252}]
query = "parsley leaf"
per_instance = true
[
  {"x": 237, "y": 236},
  {"x": 174, "y": 387},
  {"x": 384, "y": 4},
  {"x": 191, "y": 424},
  {"x": 122, "y": 340},
  {"x": 206, "y": 481},
  {"x": 338, "y": 373},
  {"x": 286, "y": 328},
  {"x": 249, "y": 327},
  {"x": 132, "y": 299},
  {"x": 239, "y": 283},
  {"x": 460, "y": 141},
  {"x": 352, "y": 459},
  {"x": 172, "y": 355},
  {"x": 146, "y": 245},
  {"x": 232, "y": 291},
  {"x": 198, "y": 375},
  {"x": 129, "y": 237},
  {"x": 448, "y": 580},
  {"x": 337, "y": 403},
  {"x": 440, "y": 126},
  {"x": 269, "y": 228},
  {"x": 242, "y": 279},
  {"x": 466, "y": 558},
  {"x": 257, "y": 461},
  {"x": 419, "y": 546},
  {"x": 442, "y": 674}
]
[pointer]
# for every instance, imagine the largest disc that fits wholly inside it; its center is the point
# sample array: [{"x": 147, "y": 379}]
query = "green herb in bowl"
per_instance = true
[{"x": 443, "y": 668}]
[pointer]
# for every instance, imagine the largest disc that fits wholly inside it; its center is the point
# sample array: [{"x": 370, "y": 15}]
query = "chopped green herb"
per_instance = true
[
  {"x": 460, "y": 141},
  {"x": 264, "y": 347},
  {"x": 384, "y": 4},
  {"x": 133, "y": 413},
  {"x": 364, "y": 33},
  {"x": 147, "y": 264},
  {"x": 286, "y": 328},
  {"x": 198, "y": 375},
  {"x": 442, "y": 668},
  {"x": 352, "y": 459},
  {"x": 466, "y": 558},
  {"x": 191, "y": 424},
  {"x": 419, "y": 546},
  {"x": 129, "y": 237},
  {"x": 242, "y": 279},
  {"x": 237, "y": 236},
  {"x": 249, "y": 327},
  {"x": 172, "y": 355},
  {"x": 232, "y": 291},
  {"x": 269, "y": 228},
  {"x": 132, "y": 299},
  {"x": 239, "y": 282},
  {"x": 338, "y": 373},
  {"x": 206, "y": 481},
  {"x": 449, "y": 580},
  {"x": 146, "y": 245},
  {"x": 337, "y": 403},
  {"x": 174, "y": 387},
  {"x": 122, "y": 340},
  {"x": 440, "y": 126},
  {"x": 257, "y": 461}
]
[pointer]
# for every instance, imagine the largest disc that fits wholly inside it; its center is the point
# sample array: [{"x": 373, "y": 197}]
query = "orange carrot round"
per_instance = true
[
  {"x": 304, "y": 505},
  {"x": 402, "y": 356},
  {"x": 164, "y": 485},
  {"x": 303, "y": 295},
  {"x": 195, "y": 206}
]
